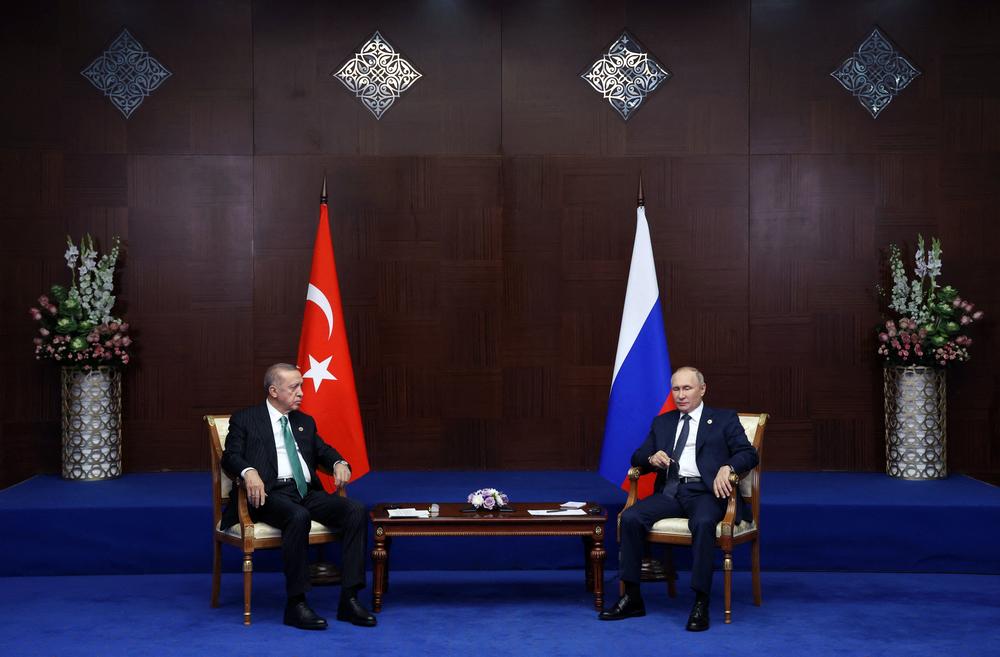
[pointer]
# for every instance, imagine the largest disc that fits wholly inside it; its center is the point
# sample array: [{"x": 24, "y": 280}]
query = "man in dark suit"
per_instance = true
[
  {"x": 694, "y": 449},
  {"x": 275, "y": 449}
]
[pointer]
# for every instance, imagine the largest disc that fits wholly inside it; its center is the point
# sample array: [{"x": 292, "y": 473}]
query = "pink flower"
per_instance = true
[
  {"x": 43, "y": 300},
  {"x": 965, "y": 321},
  {"x": 124, "y": 327},
  {"x": 52, "y": 309},
  {"x": 884, "y": 337},
  {"x": 957, "y": 302},
  {"x": 978, "y": 315},
  {"x": 44, "y": 332},
  {"x": 126, "y": 341},
  {"x": 35, "y": 314},
  {"x": 124, "y": 359},
  {"x": 113, "y": 326},
  {"x": 37, "y": 341}
]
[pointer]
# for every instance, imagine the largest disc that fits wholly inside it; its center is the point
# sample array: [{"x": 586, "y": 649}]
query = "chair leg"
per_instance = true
[
  {"x": 247, "y": 578},
  {"x": 216, "y": 572},
  {"x": 727, "y": 568},
  {"x": 755, "y": 570},
  {"x": 669, "y": 571}
]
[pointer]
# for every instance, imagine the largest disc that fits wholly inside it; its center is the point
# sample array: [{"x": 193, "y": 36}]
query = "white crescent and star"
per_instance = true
[
  {"x": 316, "y": 295},
  {"x": 319, "y": 371}
]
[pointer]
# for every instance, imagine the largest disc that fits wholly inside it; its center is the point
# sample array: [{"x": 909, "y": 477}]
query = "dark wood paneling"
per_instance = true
[{"x": 483, "y": 228}]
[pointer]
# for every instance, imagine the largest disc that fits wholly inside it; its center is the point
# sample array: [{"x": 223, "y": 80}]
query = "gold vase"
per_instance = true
[
  {"x": 91, "y": 423},
  {"x": 915, "y": 431}
]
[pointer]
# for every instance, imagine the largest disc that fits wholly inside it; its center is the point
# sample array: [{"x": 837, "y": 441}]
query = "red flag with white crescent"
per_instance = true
[{"x": 329, "y": 394}]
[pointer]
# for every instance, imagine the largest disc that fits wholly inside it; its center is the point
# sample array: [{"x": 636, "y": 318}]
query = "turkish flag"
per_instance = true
[{"x": 329, "y": 394}]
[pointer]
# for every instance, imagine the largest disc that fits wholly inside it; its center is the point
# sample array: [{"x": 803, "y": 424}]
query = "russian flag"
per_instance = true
[{"x": 640, "y": 385}]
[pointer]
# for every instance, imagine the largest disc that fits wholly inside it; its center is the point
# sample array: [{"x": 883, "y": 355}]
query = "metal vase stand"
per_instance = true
[
  {"x": 915, "y": 431},
  {"x": 91, "y": 423}
]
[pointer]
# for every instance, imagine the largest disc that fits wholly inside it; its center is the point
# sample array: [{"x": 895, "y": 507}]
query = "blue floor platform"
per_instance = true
[{"x": 160, "y": 523}]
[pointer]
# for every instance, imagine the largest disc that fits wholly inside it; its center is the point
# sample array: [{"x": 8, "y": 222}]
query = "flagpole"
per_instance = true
[
  {"x": 640, "y": 199},
  {"x": 323, "y": 198}
]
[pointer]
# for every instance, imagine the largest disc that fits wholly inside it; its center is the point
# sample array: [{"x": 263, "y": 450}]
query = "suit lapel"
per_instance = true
[
  {"x": 704, "y": 427},
  {"x": 672, "y": 419},
  {"x": 267, "y": 436},
  {"x": 298, "y": 432}
]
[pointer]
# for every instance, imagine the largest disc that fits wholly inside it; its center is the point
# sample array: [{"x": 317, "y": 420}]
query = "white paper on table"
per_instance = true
[
  {"x": 573, "y": 505},
  {"x": 557, "y": 512},
  {"x": 408, "y": 513}
]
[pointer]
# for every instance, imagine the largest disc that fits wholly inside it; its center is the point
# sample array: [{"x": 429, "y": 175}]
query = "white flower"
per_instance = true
[{"x": 477, "y": 500}]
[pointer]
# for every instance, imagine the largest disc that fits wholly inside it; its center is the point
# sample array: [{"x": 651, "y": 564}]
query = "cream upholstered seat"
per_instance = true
[
  {"x": 245, "y": 534},
  {"x": 674, "y": 531}
]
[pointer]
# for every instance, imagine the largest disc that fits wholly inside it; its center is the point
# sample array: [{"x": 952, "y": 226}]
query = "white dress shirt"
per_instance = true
[{"x": 687, "y": 463}]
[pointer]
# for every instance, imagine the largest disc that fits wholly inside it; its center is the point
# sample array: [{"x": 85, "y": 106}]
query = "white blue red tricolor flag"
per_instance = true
[{"x": 640, "y": 385}]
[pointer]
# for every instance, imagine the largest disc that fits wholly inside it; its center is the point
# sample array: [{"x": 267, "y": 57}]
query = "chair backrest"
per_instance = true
[
  {"x": 222, "y": 485},
  {"x": 753, "y": 425}
]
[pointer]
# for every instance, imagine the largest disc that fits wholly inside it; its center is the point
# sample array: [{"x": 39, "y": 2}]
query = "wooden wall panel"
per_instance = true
[{"x": 483, "y": 227}]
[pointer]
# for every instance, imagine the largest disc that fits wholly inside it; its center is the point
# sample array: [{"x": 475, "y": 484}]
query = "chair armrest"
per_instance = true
[
  {"x": 633, "y": 486},
  {"x": 729, "y": 519},
  {"x": 243, "y": 511}
]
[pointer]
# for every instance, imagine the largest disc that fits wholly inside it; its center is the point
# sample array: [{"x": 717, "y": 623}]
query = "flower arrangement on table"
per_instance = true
[
  {"x": 488, "y": 499},
  {"x": 930, "y": 323},
  {"x": 77, "y": 327}
]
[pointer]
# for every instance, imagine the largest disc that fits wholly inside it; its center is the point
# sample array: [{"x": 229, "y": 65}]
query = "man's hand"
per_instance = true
[
  {"x": 341, "y": 474},
  {"x": 660, "y": 460},
  {"x": 255, "y": 488},
  {"x": 721, "y": 484}
]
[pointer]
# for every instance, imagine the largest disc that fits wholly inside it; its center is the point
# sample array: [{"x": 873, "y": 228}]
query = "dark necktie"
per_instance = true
[
  {"x": 670, "y": 487},
  {"x": 293, "y": 457}
]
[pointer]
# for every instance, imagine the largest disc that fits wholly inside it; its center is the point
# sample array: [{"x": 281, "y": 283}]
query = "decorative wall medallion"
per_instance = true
[
  {"x": 875, "y": 73},
  {"x": 126, "y": 73},
  {"x": 625, "y": 75},
  {"x": 377, "y": 74}
]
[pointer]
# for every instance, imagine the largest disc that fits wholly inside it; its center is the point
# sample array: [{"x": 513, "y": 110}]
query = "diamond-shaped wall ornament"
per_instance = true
[
  {"x": 625, "y": 75},
  {"x": 126, "y": 73},
  {"x": 875, "y": 73},
  {"x": 377, "y": 74}
]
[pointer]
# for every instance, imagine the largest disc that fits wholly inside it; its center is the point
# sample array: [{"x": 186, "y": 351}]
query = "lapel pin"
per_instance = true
[
  {"x": 300, "y": 428},
  {"x": 709, "y": 422}
]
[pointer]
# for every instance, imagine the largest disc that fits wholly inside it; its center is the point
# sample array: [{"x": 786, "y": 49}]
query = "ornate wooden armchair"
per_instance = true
[
  {"x": 245, "y": 534},
  {"x": 674, "y": 531}
]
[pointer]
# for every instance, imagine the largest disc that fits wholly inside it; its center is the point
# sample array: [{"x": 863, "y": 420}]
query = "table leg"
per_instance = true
[
  {"x": 588, "y": 568},
  {"x": 597, "y": 555},
  {"x": 380, "y": 557}
]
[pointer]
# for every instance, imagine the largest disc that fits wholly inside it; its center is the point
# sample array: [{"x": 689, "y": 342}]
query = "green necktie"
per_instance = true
[{"x": 293, "y": 457}]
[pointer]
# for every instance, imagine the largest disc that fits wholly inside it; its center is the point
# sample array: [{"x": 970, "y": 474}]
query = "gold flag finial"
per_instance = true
[
  {"x": 322, "y": 196},
  {"x": 641, "y": 199}
]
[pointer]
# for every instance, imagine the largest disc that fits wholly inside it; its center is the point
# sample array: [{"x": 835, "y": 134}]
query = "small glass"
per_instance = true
[{"x": 434, "y": 510}]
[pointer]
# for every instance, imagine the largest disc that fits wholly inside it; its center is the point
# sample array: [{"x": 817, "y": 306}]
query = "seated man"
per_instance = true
[
  {"x": 275, "y": 449},
  {"x": 694, "y": 448}
]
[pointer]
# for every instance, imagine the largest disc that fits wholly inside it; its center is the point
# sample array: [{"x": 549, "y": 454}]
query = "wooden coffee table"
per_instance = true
[{"x": 451, "y": 521}]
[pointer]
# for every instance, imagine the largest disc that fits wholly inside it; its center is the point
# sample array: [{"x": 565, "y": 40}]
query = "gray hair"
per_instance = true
[
  {"x": 688, "y": 368},
  {"x": 271, "y": 375}
]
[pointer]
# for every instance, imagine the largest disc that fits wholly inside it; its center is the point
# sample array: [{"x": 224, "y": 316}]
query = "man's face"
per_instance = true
[
  {"x": 686, "y": 390},
  {"x": 286, "y": 393}
]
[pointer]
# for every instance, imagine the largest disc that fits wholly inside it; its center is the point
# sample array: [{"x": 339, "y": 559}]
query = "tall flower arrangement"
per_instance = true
[
  {"x": 76, "y": 324},
  {"x": 929, "y": 322}
]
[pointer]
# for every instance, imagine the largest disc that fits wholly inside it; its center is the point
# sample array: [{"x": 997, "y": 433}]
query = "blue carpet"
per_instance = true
[
  {"x": 159, "y": 523},
  {"x": 523, "y": 613}
]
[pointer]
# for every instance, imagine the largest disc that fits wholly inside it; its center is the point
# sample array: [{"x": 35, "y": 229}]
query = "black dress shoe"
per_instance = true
[
  {"x": 698, "y": 620},
  {"x": 627, "y": 606},
  {"x": 352, "y": 611},
  {"x": 300, "y": 615}
]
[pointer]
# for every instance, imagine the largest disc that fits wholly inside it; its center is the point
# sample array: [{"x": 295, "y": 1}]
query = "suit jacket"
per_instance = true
[
  {"x": 721, "y": 441},
  {"x": 250, "y": 444}
]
